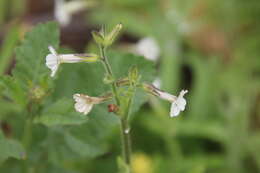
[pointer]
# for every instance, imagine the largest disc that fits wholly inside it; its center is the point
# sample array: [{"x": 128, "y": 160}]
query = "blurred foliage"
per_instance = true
[{"x": 210, "y": 47}]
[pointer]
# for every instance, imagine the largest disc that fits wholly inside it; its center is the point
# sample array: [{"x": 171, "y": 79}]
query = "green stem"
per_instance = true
[
  {"x": 26, "y": 139},
  {"x": 126, "y": 141},
  {"x": 110, "y": 73},
  {"x": 27, "y": 134},
  {"x": 125, "y": 131}
]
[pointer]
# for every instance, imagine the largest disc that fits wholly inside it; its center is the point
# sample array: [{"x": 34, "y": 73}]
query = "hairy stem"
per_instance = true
[
  {"x": 126, "y": 141},
  {"x": 125, "y": 131},
  {"x": 27, "y": 134},
  {"x": 110, "y": 72},
  {"x": 26, "y": 139}
]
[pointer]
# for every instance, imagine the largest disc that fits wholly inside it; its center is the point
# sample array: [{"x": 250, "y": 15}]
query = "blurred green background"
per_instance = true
[{"x": 210, "y": 47}]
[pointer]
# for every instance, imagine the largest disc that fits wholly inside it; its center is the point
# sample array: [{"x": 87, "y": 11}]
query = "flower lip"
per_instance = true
[
  {"x": 179, "y": 104},
  {"x": 53, "y": 61},
  {"x": 52, "y": 50},
  {"x": 85, "y": 103}
]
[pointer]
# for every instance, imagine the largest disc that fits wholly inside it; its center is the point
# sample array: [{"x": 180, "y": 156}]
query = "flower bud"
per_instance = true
[
  {"x": 122, "y": 82},
  {"x": 98, "y": 37},
  {"x": 133, "y": 75},
  {"x": 109, "y": 39},
  {"x": 108, "y": 79}
]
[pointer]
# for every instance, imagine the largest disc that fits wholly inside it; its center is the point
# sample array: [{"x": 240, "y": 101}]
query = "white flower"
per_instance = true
[
  {"x": 148, "y": 48},
  {"x": 85, "y": 103},
  {"x": 64, "y": 11},
  {"x": 53, "y": 60},
  {"x": 178, "y": 103}
]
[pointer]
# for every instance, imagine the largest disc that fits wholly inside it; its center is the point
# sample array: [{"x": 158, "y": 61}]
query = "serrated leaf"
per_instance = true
[
  {"x": 10, "y": 148},
  {"x": 30, "y": 70},
  {"x": 60, "y": 113},
  {"x": 13, "y": 90},
  {"x": 82, "y": 148},
  {"x": 31, "y": 54}
]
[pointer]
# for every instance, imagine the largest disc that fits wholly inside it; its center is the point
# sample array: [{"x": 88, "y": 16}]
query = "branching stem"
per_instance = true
[{"x": 125, "y": 130}]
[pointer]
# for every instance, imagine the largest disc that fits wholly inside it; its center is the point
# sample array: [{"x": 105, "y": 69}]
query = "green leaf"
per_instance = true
[
  {"x": 13, "y": 90},
  {"x": 30, "y": 71},
  {"x": 60, "y": 113},
  {"x": 10, "y": 148},
  {"x": 6, "y": 50},
  {"x": 82, "y": 148},
  {"x": 31, "y": 54}
]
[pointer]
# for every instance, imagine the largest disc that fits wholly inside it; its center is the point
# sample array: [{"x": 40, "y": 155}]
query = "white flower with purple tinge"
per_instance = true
[
  {"x": 53, "y": 60},
  {"x": 85, "y": 103},
  {"x": 178, "y": 103}
]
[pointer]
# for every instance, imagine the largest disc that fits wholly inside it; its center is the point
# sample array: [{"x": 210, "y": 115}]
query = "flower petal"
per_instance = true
[
  {"x": 52, "y": 63},
  {"x": 181, "y": 102},
  {"x": 52, "y": 50},
  {"x": 175, "y": 110},
  {"x": 81, "y": 104},
  {"x": 54, "y": 70}
]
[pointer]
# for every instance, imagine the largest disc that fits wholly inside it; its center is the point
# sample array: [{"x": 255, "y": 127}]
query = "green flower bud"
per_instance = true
[
  {"x": 110, "y": 38},
  {"x": 108, "y": 79},
  {"x": 133, "y": 75},
  {"x": 98, "y": 37}
]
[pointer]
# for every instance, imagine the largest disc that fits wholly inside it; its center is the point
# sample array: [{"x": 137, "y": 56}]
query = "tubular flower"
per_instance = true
[
  {"x": 85, "y": 103},
  {"x": 53, "y": 60},
  {"x": 178, "y": 103}
]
